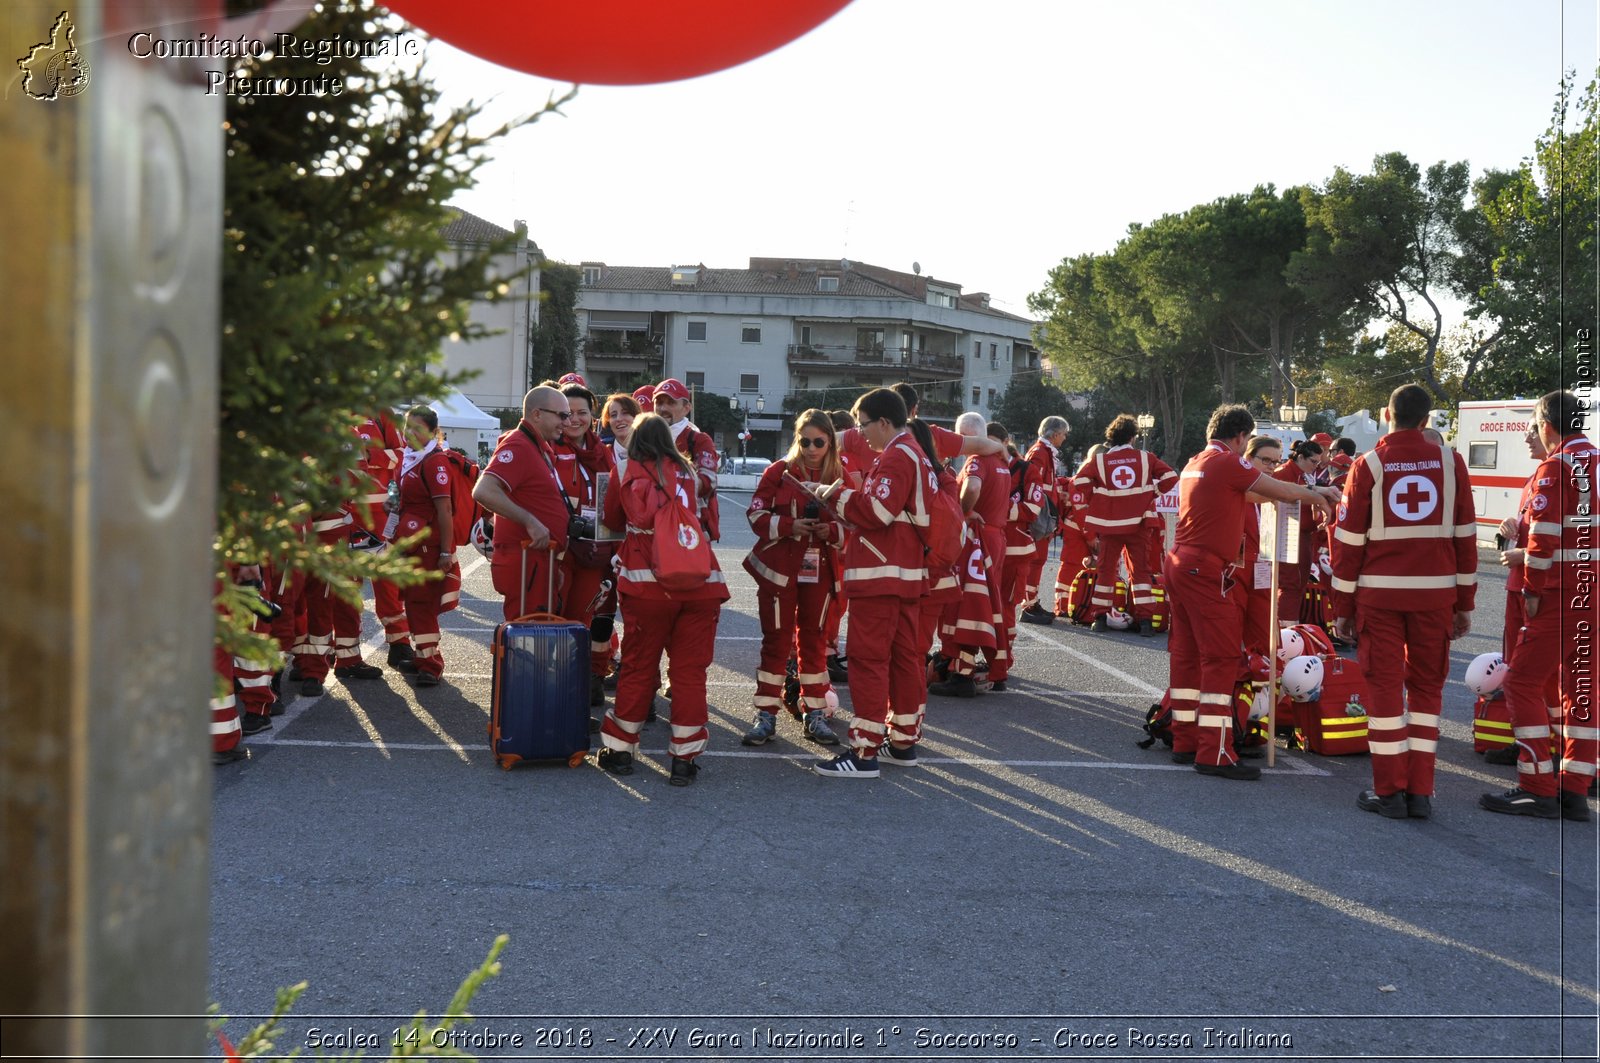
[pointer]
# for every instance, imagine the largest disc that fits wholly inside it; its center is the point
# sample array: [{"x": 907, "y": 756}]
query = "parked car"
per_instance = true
[{"x": 746, "y": 466}]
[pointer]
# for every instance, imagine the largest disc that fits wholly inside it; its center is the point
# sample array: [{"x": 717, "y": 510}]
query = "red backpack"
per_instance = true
[
  {"x": 463, "y": 478},
  {"x": 942, "y": 537},
  {"x": 681, "y": 553}
]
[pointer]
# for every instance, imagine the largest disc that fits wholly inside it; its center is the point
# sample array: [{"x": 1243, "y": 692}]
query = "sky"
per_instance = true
[{"x": 988, "y": 141}]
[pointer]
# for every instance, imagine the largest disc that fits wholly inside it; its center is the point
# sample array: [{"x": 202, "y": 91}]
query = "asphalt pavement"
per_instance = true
[{"x": 1038, "y": 887}]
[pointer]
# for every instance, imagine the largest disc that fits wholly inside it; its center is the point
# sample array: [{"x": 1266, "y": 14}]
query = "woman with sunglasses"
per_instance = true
[{"x": 795, "y": 563}]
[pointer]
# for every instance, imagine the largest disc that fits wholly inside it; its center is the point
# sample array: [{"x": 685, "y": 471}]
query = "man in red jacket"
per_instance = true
[
  {"x": 1038, "y": 493},
  {"x": 1214, "y": 493},
  {"x": 1560, "y": 577},
  {"x": 1405, "y": 575},
  {"x": 1122, "y": 484}
]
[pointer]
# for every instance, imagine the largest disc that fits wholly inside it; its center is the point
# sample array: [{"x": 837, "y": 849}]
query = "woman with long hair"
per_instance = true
[
  {"x": 683, "y": 624},
  {"x": 795, "y": 563},
  {"x": 580, "y": 458},
  {"x": 1303, "y": 466},
  {"x": 425, "y": 505},
  {"x": 621, "y": 409}
]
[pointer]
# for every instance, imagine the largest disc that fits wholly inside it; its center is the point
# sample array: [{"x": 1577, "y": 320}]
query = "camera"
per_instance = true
[
  {"x": 813, "y": 510},
  {"x": 580, "y": 527}
]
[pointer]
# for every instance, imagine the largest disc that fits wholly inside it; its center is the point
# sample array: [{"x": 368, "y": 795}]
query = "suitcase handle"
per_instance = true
[{"x": 550, "y": 590}]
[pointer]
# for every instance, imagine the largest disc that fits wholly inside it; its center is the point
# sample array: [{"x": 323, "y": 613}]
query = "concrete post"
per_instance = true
[{"x": 109, "y": 299}]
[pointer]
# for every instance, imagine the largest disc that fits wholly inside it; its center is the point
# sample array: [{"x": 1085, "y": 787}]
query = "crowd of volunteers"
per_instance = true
[{"x": 926, "y": 547}]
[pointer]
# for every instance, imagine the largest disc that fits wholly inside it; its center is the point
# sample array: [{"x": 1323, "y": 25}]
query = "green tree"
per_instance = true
[
  {"x": 1029, "y": 399},
  {"x": 337, "y": 289},
  {"x": 1382, "y": 246},
  {"x": 556, "y": 340}
]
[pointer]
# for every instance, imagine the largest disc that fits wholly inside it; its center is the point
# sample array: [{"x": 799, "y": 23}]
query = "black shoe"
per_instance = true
[
  {"x": 597, "y": 690},
  {"x": 838, "y": 670},
  {"x": 254, "y": 723},
  {"x": 231, "y": 756},
  {"x": 594, "y": 725},
  {"x": 938, "y": 668},
  {"x": 957, "y": 686},
  {"x": 400, "y": 653},
  {"x": 295, "y": 675},
  {"x": 1100, "y": 624},
  {"x": 615, "y": 761},
  {"x": 1389, "y": 806},
  {"x": 610, "y": 682},
  {"x": 312, "y": 688},
  {"x": 1230, "y": 771},
  {"x": 998, "y": 686},
  {"x": 1249, "y": 752},
  {"x": 425, "y": 679},
  {"x": 1182, "y": 758},
  {"x": 277, "y": 709},
  {"x": 683, "y": 772},
  {"x": 901, "y": 757},
  {"x": 1419, "y": 806},
  {"x": 1519, "y": 802},
  {"x": 358, "y": 671},
  {"x": 1574, "y": 806},
  {"x": 1502, "y": 755},
  {"x": 1035, "y": 615},
  {"x": 277, "y": 684}
]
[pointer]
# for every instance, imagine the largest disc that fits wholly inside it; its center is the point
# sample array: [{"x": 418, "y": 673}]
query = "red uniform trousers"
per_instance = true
[
  {"x": 1074, "y": 559},
  {"x": 1033, "y": 572},
  {"x": 390, "y": 608},
  {"x": 226, "y": 733},
  {"x": 1516, "y": 616},
  {"x": 289, "y": 589},
  {"x": 523, "y": 598},
  {"x": 791, "y": 619},
  {"x": 686, "y": 631},
  {"x": 331, "y": 624},
  {"x": 578, "y": 601},
  {"x": 1406, "y": 657},
  {"x": 1136, "y": 545},
  {"x": 888, "y": 680},
  {"x": 1204, "y": 646},
  {"x": 253, "y": 679},
  {"x": 1013, "y": 574},
  {"x": 1552, "y": 642},
  {"x": 422, "y": 603}
]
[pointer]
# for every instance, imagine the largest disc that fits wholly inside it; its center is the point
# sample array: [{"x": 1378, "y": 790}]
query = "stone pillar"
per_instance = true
[{"x": 109, "y": 298}]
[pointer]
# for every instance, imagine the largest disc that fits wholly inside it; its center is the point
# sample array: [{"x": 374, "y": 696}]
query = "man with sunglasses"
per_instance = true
[{"x": 520, "y": 488}]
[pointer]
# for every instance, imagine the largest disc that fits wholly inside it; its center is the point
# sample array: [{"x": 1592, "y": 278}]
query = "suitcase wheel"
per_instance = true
[
  {"x": 506, "y": 760},
  {"x": 576, "y": 759}
]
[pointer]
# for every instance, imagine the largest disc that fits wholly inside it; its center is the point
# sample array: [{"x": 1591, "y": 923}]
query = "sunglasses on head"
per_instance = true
[{"x": 818, "y": 443}]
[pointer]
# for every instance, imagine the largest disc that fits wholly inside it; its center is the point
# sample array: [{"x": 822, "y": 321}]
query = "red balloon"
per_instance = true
[{"x": 616, "y": 42}]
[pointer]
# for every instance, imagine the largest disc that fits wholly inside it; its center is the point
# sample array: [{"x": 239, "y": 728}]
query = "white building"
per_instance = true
[
  {"x": 784, "y": 330},
  {"x": 502, "y": 358}
]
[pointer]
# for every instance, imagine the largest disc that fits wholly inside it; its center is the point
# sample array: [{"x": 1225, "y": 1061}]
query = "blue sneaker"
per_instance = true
[
  {"x": 847, "y": 766},
  {"x": 903, "y": 757}
]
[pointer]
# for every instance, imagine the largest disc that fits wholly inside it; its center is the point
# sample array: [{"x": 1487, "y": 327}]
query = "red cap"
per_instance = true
[
  {"x": 1324, "y": 438},
  {"x": 573, "y": 378},
  {"x": 672, "y": 388},
  {"x": 1341, "y": 459},
  {"x": 646, "y": 398}
]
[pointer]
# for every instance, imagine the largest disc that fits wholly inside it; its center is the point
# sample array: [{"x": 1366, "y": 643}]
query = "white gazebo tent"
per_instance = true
[{"x": 466, "y": 428}]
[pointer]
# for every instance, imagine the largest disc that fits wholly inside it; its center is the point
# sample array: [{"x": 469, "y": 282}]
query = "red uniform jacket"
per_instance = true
[
  {"x": 702, "y": 454},
  {"x": 382, "y": 448},
  {"x": 1407, "y": 536},
  {"x": 1122, "y": 484},
  {"x": 635, "y": 507},
  {"x": 774, "y": 507},
  {"x": 885, "y": 557},
  {"x": 1561, "y": 539}
]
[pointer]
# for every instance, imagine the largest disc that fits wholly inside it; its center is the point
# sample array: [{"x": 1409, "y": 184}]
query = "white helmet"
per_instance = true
[
  {"x": 1117, "y": 620},
  {"x": 483, "y": 536},
  {"x": 1487, "y": 674},
  {"x": 1290, "y": 644},
  {"x": 1302, "y": 678}
]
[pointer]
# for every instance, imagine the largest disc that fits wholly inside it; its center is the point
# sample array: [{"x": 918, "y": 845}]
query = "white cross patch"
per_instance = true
[
  {"x": 1122, "y": 477},
  {"x": 1413, "y": 498}
]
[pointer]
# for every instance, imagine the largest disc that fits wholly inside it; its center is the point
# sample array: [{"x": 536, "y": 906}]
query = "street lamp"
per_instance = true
[
  {"x": 1295, "y": 413},
  {"x": 1145, "y": 421},
  {"x": 744, "y": 408}
]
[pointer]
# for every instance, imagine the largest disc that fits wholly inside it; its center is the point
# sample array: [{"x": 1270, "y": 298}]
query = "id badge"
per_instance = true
[
  {"x": 1262, "y": 579},
  {"x": 810, "y": 566}
]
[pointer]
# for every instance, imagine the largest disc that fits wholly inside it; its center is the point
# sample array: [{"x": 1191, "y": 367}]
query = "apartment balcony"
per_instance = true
[
  {"x": 899, "y": 362},
  {"x": 634, "y": 354}
]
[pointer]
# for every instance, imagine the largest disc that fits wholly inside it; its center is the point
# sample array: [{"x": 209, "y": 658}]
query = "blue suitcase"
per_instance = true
[{"x": 539, "y": 698}]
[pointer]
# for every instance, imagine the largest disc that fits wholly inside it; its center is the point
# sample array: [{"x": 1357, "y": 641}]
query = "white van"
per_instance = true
[{"x": 1492, "y": 436}]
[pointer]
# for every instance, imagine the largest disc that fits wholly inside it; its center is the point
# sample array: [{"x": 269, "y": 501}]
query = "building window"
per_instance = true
[
  {"x": 591, "y": 276},
  {"x": 802, "y": 382},
  {"x": 750, "y": 334},
  {"x": 827, "y": 284},
  {"x": 869, "y": 341},
  {"x": 695, "y": 380},
  {"x": 991, "y": 398},
  {"x": 749, "y": 381},
  {"x": 805, "y": 335},
  {"x": 697, "y": 330},
  {"x": 977, "y": 348},
  {"x": 977, "y": 396},
  {"x": 1008, "y": 354}
]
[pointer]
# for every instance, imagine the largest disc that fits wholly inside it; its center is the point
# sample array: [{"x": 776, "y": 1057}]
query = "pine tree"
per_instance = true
[{"x": 337, "y": 287}]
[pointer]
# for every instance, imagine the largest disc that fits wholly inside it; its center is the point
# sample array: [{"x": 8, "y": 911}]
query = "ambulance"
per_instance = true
[{"x": 1492, "y": 436}]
